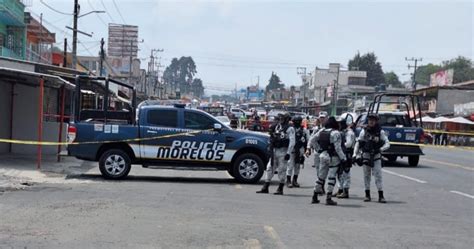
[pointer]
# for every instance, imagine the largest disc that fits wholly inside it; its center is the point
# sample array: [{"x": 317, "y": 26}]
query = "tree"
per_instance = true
[
  {"x": 423, "y": 73},
  {"x": 391, "y": 79},
  {"x": 368, "y": 62},
  {"x": 197, "y": 88},
  {"x": 274, "y": 82},
  {"x": 180, "y": 74},
  {"x": 462, "y": 66}
]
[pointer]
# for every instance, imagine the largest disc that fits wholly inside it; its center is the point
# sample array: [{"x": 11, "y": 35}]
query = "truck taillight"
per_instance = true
[{"x": 71, "y": 133}]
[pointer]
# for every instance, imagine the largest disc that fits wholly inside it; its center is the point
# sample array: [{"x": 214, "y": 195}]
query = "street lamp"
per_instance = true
[{"x": 90, "y": 12}]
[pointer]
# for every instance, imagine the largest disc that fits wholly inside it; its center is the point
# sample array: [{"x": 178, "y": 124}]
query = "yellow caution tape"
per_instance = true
[
  {"x": 434, "y": 146},
  {"x": 450, "y": 132},
  {"x": 31, "y": 142}
]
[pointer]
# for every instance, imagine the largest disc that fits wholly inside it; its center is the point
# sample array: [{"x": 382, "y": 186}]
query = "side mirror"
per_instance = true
[{"x": 217, "y": 127}]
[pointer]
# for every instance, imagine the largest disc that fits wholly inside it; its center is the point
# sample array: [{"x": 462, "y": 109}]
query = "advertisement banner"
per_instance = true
[{"x": 442, "y": 78}]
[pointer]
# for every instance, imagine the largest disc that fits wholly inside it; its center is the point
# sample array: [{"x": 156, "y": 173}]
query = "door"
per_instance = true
[
  {"x": 206, "y": 145},
  {"x": 158, "y": 130}
]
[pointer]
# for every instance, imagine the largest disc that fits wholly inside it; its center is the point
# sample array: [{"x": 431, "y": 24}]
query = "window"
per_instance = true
[
  {"x": 197, "y": 121},
  {"x": 163, "y": 118}
]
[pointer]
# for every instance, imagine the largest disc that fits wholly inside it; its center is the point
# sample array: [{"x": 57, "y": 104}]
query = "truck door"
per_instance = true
[
  {"x": 161, "y": 124},
  {"x": 207, "y": 145}
]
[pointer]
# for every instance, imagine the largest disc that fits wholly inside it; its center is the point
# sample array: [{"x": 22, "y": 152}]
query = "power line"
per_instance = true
[
  {"x": 106, "y": 11},
  {"x": 55, "y": 10},
  {"x": 118, "y": 10},
  {"x": 97, "y": 14}
]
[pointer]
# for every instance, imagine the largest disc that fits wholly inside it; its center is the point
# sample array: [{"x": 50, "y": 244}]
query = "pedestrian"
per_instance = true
[
  {"x": 370, "y": 143},
  {"x": 297, "y": 156},
  {"x": 282, "y": 143},
  {"x": 437, "y": 139},
  {"x": 344, "y": 176},
  {"x": 444, "y": 139},
  {"x": 331, "y": 155}
]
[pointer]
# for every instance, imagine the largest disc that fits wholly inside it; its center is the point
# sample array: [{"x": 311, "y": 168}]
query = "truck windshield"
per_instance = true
[{"x": 392, "y": 120}]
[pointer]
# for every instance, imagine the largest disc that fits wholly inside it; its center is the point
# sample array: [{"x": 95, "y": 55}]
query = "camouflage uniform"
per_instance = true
[{"x": 377, "y": 142}]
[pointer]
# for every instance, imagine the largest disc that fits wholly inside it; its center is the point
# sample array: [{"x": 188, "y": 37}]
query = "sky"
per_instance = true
[{"x": 237, "y": 43}]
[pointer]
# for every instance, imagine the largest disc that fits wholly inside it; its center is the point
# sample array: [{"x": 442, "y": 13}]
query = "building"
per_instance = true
[
  {"x": 39, "y": 41},
  {"x": 442, "y": 100},
  {"x": 279, "y": 94},
  {"x": 321, "y": 82},
  {"x": 12, "y": 29}
]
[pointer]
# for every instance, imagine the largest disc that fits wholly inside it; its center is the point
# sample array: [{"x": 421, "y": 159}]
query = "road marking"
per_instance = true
[
  {"x": 403, "y": 176},
  {"x": 252, "y": 244},
  {"x": 463, "y": 194},
  {"x": 238, "y": 186},
  {"x": 270, "y": 231},
  {"x": 448, "y": 164}
]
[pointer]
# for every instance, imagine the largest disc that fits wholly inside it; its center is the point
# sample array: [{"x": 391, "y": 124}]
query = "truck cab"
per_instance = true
[
  {"x": 405, "y": 133},
  {"x": 171, "y": 137}
]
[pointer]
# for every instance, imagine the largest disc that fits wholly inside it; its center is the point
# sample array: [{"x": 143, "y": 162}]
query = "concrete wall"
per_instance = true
[
  {"x": 25, "y": 122},
  {"x": 447, "y": 98},
  {"x": 5, "y": 99}
]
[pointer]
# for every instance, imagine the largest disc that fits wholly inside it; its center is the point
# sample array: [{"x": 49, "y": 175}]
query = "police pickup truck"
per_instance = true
[
  {"x": 405, "y": 133},
  {"x": 171, "y": 137}
]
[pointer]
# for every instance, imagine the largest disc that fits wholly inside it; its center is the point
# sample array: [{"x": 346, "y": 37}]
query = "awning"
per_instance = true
[
  {"x": 460, "y": 120},
  {"x": 440, "y": 120}
]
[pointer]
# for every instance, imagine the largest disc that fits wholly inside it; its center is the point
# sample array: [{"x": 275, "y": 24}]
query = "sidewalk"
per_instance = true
[{"x": 19, "y": 171}]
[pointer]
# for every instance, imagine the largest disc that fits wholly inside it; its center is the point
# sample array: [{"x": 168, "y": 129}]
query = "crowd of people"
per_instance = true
[{"x": 335, "y": 148}]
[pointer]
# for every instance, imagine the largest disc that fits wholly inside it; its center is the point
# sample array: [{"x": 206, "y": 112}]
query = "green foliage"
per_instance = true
[
  {"x": 274, "y": 82},
  {"x": 180, "y": 74},
  {"x": 462, "y": 66},
  {"x": 391, "y": 79},
  {"x": 463, "y": 70},
  {"x": 423, "y": 73},
  {"x": 368, "y": 62}
]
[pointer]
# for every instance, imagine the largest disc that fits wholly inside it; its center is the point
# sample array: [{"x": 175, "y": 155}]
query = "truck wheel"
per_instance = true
[
  {"x": 115, "y": 164},
  {"x": 391, "y": 158},
  {"x": 248, "y": 168},
  {"x": 413, "y": 160}
]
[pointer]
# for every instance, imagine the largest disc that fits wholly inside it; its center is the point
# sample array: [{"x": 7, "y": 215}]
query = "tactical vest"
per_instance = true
[
  {"x": 325, "y": 142},
  {"x": 280, "y": 137},
  {"x": 300, "y": 139},
  {"x": 372, "y": 142}
]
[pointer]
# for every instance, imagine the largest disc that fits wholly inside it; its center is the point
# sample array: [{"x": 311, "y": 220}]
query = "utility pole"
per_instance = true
[
  {"x": 40, "y": 38},
  {"x": 74, "y": 34},
  {"x": 334, "y": 94},
  {"x": 65, "y": 53},
  {"x": 415, "y": 67},
  {"x": 130, "y": 68},
  {"x": 102, "y": 56}
]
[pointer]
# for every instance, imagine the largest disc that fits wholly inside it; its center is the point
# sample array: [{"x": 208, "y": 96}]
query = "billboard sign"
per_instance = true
[{"x": 442, "y": 78}]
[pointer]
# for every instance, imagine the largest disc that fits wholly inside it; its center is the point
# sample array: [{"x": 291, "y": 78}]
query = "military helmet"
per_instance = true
[
  {"x": 297, "y": 119},
  {"x": 373, "y": 116}
]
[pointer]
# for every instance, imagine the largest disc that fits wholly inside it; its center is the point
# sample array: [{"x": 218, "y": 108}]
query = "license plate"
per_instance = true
[{"x": 410, "y": 136}]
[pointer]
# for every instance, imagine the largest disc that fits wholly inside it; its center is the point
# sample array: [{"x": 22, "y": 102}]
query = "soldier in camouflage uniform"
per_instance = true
[
  {"x": 282, "y": 142},
  {"x": 297, "y": 156},
  {"x": 370, "y": 143},
  {"x": 331, "y": 155}
]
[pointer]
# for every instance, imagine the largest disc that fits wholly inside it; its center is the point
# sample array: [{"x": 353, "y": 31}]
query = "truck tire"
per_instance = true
[
  {"x": 115, "y": 164},
  {"x": 248, "y": 168},
  {"x": 413, "y": 160}
]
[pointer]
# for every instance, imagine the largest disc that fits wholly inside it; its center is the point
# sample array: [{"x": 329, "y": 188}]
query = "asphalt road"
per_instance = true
[{"x": 430, "y": 206}]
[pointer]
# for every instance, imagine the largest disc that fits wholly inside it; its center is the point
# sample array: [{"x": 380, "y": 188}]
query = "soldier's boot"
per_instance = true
[
  {"x": 329, "y": 201},
  {"x": 280, "y": 189},
  {"x": 323, "y": 191},
  {"x": 381, "y": 198},
  {"x": 315, "y": 200},
  {"x": 295, "y": 181},
  {"x": 264, "y": 189},
  {"x": 367, "y": 196},
  {"x": 339, "y": 191},
  {"x": 344, "y": 194},
  {"x": 288, "y": 182}
]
